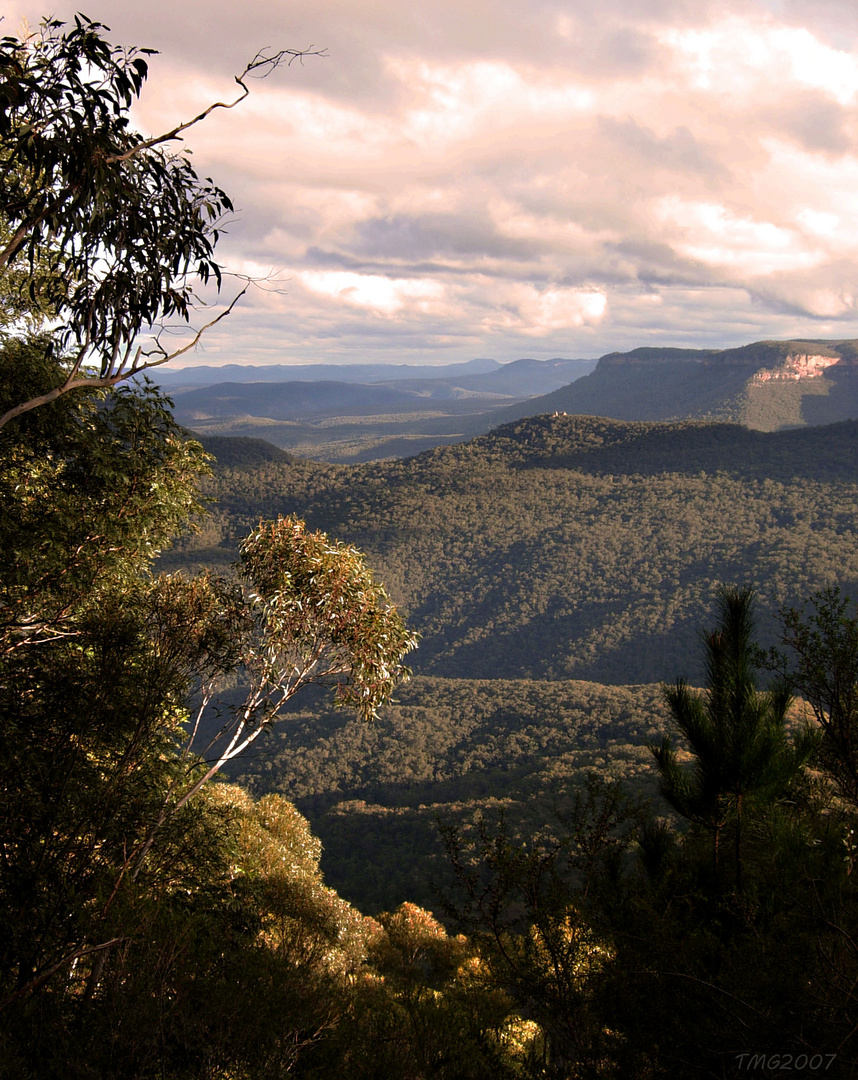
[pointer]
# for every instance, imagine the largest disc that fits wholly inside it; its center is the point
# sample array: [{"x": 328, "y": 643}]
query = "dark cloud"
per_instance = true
[
  {"x": 816, "y": 122},
  {"x": 469, "y": 234},
  {"x": 679, "y": 152},
  {"x": 659, "y": 264}
]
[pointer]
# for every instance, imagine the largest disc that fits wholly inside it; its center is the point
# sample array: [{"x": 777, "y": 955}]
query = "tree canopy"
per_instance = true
[
  {"x": 114, "y": 681},
  {"x": 109, "y": 230},
  {"x": 736, "y": 733}
]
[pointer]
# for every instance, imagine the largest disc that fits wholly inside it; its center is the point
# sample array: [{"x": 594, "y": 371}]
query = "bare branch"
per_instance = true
[
  {"x": 105, "y": 382},
  {"x": 260, "y": 61}
]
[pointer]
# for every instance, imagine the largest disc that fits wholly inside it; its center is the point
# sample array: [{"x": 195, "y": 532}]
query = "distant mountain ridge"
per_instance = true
[
  {"x": 353, "y": 415},
  {"x": 210, "y": 374},
  {"x": 764, "y": 386},
  {"x": 767, "y": 385}
]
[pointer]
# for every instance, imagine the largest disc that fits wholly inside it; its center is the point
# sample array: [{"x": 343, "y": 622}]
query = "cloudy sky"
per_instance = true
[{"x": 499, "y": 178}]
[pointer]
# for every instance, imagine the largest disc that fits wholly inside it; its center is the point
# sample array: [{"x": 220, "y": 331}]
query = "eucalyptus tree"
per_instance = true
[
  {"x": 822, "y": 665},
  {"x": 313, "y": 614},
  {"x": 109, "y": 230},
  {"x": 102, "y": 748}
]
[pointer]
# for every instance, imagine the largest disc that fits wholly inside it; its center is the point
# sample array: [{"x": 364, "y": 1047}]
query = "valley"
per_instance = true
[
  {"x": 558, "y": 569},
  {"x": 361, "y": 412}
]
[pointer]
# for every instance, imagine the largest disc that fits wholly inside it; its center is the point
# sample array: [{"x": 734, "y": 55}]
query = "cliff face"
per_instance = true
[
  {"x": 766, "y": 385},
  {"x": 772, "y": 359},
  {"x": 801, "y": 366}
]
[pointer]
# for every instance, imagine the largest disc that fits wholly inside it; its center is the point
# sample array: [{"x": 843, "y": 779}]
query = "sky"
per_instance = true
[{"x": 499, "y": 179}]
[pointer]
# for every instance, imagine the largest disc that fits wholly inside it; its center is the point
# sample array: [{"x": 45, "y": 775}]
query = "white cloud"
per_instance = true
[
  {"x": 738, "y": 55},
  {"x": 711, "y": 234},
  {"x": 489, "y": 179},
  {"x": 816, "y": 64},
  {"x": 537, "y": 313},
  {"x": 373, "y": 293}
]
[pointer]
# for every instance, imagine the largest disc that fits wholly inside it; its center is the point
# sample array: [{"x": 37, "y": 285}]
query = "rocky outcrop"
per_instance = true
[
  {"x": 766, "y": 385},
  {"x": 799, "y": 366}
]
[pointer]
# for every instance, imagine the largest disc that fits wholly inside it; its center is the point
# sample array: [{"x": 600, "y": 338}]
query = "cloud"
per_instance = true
[
  {"x": 378, "y": 295},
  {"x": 484, "y": 179}
]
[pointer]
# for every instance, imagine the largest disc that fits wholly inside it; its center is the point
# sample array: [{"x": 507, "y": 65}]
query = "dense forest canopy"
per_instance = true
[
  {"x": 570, "y": 547},
  {"x": 447, "y": 749}
]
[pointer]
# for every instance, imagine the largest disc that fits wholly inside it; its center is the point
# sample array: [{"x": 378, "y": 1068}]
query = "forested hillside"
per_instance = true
[
  {"x": 549, "y": 566},
  {"x": 767, "y": 385},
  {"x": 570, "y": 547},
  {"x": 448, "y": 749}
]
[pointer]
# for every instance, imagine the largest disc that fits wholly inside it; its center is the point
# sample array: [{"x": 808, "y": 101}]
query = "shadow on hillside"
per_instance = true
[
  {"x": 815, "y": 453},
  {"x": 574, "y": 646},
  {"x": 839, "y": 403}
]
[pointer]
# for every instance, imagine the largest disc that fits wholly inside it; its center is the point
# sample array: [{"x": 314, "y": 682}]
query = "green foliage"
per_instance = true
[
  {"x": 750, "y": 969},
  {"x": 94, "y": 665},
  {"x": 822, "y": 664},
  {"x": 570, "y": 547},
  {"x": 737, "y": 735},
  {"x": 104, "y": 230},
  {"x": 237, "y": 960},
  {"x": 450, "y": 749},
  {"x": 424, "y": 1009},
  {"x": 133, "y": 899},
  {"x": 154, "y": 924},
  {"x": 323, "y": 616},
  {"x": 18, "y": 308},
  {"x": 685, "y": 976},
  {"x": 92, "y": 491},
  {"x": 532, "y": 910},
  {"x": 125, "y": 225}
]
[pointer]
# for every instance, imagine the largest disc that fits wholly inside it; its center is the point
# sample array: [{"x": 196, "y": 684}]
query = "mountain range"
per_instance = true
[
  {"x": 768, "y": 385},
  {"x": 361, "y": 412},
  {"x": 371, "y": 411}
]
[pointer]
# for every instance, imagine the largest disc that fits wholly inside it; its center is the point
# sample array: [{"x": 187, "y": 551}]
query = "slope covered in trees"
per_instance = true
[
  {"x": 448, "y": 749},
  {"x": 553, "y": 548},
  {"x": 767, "y": 385},
  {"x": 572, "y": 547}
]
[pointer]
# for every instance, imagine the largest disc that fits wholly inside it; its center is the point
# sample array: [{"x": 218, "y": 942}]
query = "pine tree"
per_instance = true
[{"x": 736, "y": 732}]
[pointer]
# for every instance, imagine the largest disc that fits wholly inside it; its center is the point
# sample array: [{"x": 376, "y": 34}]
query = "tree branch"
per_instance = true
[
  {"x": 105, "y": 382},
  {"x": 40, "y": 979},
  {"x": 259, "y": 61}
]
